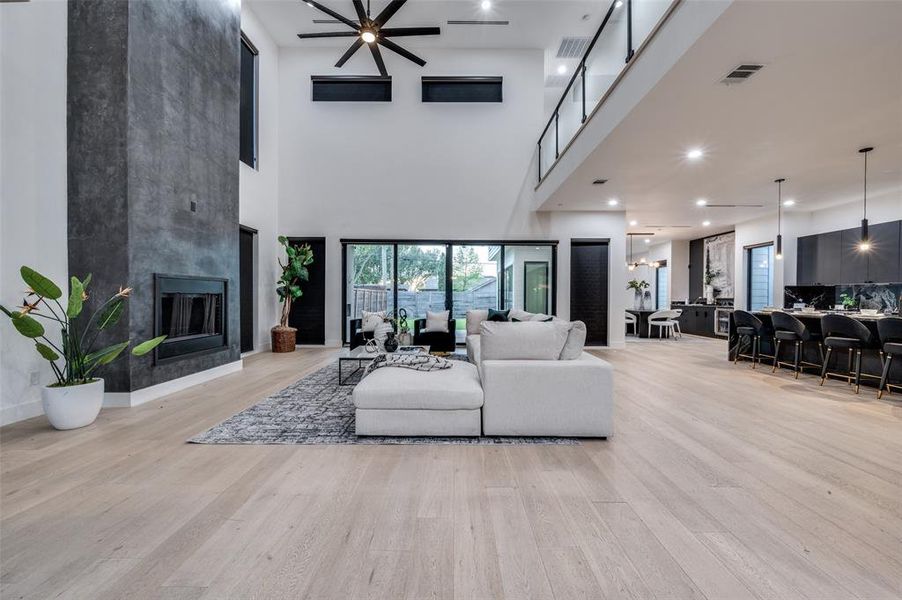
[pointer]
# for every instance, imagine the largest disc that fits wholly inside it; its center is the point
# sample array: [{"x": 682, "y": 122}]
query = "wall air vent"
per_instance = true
[
  {"x": 573, "y": 47},
  {"x": 471, "y": 22},
  {"x": 741, "y": 73}
]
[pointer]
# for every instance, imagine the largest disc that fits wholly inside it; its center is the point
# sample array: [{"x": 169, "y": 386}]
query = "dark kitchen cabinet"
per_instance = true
[
  {"x": 853, "y": 262},
  {"x": 697, "y": 320},
  {"x": 806, "y": 260},
  {"x": 885, "y": 253},
  {"x": 829, "y": 257},
  {"x": 835, "y": 258}
]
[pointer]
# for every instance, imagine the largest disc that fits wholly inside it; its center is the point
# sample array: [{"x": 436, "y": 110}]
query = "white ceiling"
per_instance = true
[
  {"x": 538, "y": 24},
  {"x": 832, "y": 83}
]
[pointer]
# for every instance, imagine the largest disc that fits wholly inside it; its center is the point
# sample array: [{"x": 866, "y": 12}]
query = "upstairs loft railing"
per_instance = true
[{"x": 627, "y": 26}]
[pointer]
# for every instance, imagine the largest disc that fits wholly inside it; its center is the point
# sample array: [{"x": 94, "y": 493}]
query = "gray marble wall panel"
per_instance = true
[{"x": 179, "y": 146}]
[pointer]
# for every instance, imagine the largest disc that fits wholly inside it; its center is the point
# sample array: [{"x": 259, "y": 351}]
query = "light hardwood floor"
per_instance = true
[{"x": 720, "y": 483}]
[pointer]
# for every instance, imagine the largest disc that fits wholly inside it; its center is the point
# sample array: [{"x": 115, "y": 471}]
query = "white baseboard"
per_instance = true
[
  {"x": 20, "y": 412},
  {"x": 129, "y": 399}
]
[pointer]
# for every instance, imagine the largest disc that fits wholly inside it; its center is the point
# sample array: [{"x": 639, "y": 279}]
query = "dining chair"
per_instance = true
[
  {"x": 631, "y": 320},
  {"x": 665, "y": 320}
]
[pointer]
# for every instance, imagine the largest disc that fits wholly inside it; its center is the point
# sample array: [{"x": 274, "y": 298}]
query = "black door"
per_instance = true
[
  {"x": 308, "y": 313},
  {"x": 246, "y": 238},
  {"x": 589, "y": 288}
]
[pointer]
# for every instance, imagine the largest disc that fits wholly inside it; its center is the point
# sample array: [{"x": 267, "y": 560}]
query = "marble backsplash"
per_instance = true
[{"x": 885, "y": 297}]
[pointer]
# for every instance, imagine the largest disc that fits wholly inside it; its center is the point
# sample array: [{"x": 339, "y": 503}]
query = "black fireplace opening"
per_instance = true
[{"x": 192, "y": 313}]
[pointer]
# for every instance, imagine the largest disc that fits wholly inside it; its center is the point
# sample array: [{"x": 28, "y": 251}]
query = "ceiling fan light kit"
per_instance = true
[{"x": 372, "y": 32}]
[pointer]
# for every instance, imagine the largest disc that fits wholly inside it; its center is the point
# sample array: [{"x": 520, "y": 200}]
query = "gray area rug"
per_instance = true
[{"x": 316, "y": 410}]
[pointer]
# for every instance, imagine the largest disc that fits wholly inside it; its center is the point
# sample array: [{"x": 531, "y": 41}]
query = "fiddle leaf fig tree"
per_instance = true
[
  {"x": 72, "y": 358},
  {"x": 294, "y": 271}
]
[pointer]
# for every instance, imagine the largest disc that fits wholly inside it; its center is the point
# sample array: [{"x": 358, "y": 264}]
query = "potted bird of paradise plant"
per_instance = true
[{"x": 76, "y": 397}]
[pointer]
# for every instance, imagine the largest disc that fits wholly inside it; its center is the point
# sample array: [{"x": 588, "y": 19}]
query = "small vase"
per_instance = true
[
  {"x": 72, "y": 406},
  {"x": 637, "y": 301},
  {"x": 391, "y": 342},
  {"x": 405, "y": 339}
]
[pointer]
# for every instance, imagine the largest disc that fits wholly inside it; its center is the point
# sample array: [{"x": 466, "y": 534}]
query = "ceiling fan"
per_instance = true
[{"x": 372, "y": 32}]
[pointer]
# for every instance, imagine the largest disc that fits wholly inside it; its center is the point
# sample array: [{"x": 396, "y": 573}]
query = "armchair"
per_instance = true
[{"x": 438, "y": 341}]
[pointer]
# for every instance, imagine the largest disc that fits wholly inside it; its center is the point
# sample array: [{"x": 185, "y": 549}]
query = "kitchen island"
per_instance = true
[{"x": 871, "y": 362}]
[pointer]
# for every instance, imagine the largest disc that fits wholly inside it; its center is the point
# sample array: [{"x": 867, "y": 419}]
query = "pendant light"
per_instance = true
[
  {"x": 865, "y": 244},
  {"x": 779, "y": 253}
]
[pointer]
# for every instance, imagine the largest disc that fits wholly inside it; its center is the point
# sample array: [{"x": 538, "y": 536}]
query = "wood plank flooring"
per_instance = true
[{"x": 719, "y": 483}]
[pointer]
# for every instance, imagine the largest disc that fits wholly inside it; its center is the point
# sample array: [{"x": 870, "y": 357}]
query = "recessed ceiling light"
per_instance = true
[
  {"x": 706, "y": 223},
  {"x": 789, "y": 202},
  {"x": 486, "y": 5},
  {"x": 633, "y": 223},
  {"x": 613, "y": 202},
  {"x": 701, "y": 202},
  {"x": 694, "y": 154},
  {"x": 618, "y": 4},
  {"x": 561, "y": 69},
  {"x": 647, "y": 241}
]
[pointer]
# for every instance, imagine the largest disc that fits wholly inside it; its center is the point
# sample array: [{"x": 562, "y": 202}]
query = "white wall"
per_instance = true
[
  {"x": 679, "y": 270},
  {"x": 409, "y": 169},
  {"x": 258, "y": 193},
  {"x": 32, "y": 181},
  {"x": 796, "y": 223}
]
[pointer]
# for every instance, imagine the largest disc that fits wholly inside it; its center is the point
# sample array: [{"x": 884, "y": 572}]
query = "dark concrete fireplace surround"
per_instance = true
[{"x": 153, "y": 93}]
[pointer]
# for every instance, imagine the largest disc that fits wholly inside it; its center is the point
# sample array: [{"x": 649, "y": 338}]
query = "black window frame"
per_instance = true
[
  {"x": 250, "y": 157},
  {"x": 449, "y": 248}
]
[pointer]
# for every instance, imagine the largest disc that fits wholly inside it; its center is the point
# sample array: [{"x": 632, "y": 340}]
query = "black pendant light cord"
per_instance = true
[{"x": 865, "y": 214}]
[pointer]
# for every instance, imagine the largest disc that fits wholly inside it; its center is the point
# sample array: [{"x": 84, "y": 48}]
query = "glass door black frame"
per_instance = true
[{"x": 449, "y": 267}]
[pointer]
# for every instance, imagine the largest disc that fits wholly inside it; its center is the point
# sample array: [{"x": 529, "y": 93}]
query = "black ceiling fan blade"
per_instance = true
[
  {"x": 377, "y": 56},
  {"x": 399, "y": 50},
  {"x": 404, "y": 31},
  {"x": 332, "y": 13},
  {"x": 389, "y": 11},
  {"x": 328, "y": 34},
  {"x": 361, "y": 12},
  {"x": 349, "y": 53}
]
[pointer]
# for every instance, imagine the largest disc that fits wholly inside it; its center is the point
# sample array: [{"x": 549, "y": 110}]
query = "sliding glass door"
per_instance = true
[
  {"x": 421, "y": 279},
  {"x": 370, "y": 281},
  {"x": 421, "y": 276}
]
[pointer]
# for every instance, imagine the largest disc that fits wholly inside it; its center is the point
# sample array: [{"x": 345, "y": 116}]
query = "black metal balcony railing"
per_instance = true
[{"x": 598, "y": 71}]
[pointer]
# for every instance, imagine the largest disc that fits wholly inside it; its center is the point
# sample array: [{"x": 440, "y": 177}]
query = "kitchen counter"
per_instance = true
[{"x": 871, "y": 362}]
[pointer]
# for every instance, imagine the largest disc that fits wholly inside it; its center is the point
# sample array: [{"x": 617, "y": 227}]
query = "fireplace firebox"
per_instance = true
[{"x": 192, "y": 313}]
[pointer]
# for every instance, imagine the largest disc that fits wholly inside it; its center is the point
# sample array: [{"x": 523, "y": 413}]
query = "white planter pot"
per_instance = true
[{"x": 72, "y": 406}]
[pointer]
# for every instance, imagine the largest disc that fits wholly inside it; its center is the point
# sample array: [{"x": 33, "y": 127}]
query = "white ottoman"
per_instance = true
[{"x": 396, "y": 401}]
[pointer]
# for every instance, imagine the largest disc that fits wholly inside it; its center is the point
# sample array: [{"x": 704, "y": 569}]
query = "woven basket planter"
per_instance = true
[{"x": 283, "y": 338}]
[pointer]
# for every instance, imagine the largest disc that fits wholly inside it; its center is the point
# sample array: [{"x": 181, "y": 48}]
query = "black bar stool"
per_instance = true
[
  {"x": 791, "y": 330},
  {"x": 890, "y": 331},
  {"x": 842, "y": 332},
  {"x": 751, "y": 327}
]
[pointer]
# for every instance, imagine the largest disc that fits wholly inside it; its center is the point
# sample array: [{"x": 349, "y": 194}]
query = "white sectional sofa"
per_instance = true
[{"x": 526, "y": 379}]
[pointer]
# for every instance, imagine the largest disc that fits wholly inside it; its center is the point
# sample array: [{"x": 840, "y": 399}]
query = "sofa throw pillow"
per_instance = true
[
  {"x": 475, "y": 319},
  {"x": 576, "y": 340},
  {"x": 371, "y": 320},
  {"x": 522, "y": 341},
  {"x": 437, "y": 321},
  {"x": 498, "y": 315}
]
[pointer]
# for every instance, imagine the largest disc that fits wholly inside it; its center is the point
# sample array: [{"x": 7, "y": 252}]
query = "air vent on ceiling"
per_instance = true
[
  {"x": 556, "y": 81},
  {"x": 573, "y": 47},
  {"x": 471, "y": 22},
  {"x": 668, "y": 226},
  {"x": 741, "y": 73}
]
